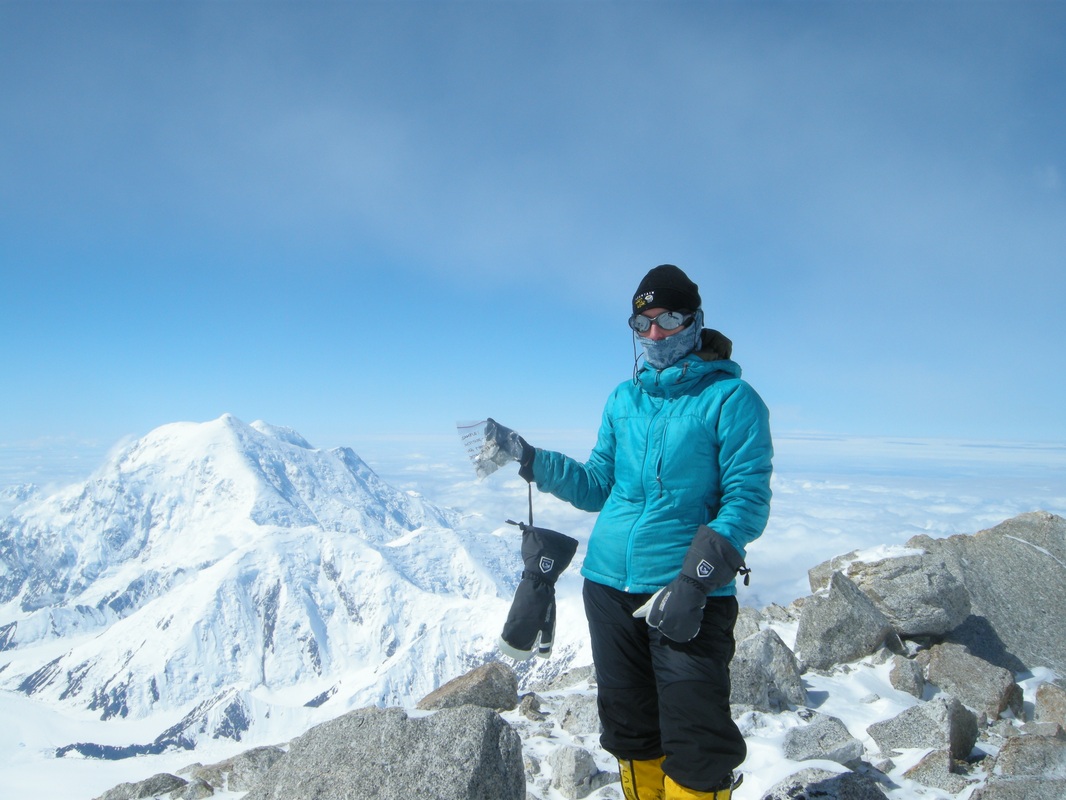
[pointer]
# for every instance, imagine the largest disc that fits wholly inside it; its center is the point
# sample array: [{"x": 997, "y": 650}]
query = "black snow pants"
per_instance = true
[{"x": 658, "y": 697}]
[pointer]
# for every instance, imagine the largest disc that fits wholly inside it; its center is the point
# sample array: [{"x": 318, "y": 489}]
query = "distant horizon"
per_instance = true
[
  {"x": 68, "y": 457},
  {"x": 831, "y": 494}
]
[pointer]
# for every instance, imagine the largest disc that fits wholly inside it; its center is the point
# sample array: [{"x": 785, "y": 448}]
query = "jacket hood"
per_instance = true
[{"x": 714, "y": 346}]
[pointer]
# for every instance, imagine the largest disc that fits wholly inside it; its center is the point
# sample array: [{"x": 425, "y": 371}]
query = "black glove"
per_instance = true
[
  {"x": 530, "y": 624},
  {"x": 677, "y": 609},
  {"x": 503, "y": 445}
]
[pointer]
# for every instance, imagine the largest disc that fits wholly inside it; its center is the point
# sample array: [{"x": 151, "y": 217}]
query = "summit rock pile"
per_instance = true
[{"x": 956, "y": 622}]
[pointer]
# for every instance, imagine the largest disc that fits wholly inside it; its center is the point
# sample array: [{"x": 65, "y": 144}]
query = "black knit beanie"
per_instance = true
[{"x": 667, "y": 287}]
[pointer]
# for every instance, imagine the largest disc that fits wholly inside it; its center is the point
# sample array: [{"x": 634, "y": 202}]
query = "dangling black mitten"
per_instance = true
[{"x": 530, "y": 625}]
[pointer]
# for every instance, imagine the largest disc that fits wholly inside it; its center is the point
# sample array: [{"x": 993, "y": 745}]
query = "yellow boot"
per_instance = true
[
  {"x": 642, "y": 780},
  {"x": 675, "y": 791}
]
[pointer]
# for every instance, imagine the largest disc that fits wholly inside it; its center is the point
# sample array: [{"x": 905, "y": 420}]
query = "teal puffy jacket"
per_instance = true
[{"x": 677, "y": 448}]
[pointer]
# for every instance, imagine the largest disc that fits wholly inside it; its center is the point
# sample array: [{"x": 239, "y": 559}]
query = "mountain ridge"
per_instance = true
[{"x": 220, "y": 559}]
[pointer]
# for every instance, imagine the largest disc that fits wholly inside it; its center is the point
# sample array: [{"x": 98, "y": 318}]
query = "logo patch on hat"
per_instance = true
[{"x": 642, "y": 300}]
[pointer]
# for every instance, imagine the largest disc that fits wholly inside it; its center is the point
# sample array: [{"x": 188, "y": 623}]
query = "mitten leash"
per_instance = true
[{"x": 521, "y": 524}]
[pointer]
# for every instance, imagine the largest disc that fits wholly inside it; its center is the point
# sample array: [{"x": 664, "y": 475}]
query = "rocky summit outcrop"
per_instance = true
[
  {"x": 946, "y": 621},
  {"x": 916, "y": 593},
  {"x": 997, "y": 592},
  {"x": 1014, "y": 574}
]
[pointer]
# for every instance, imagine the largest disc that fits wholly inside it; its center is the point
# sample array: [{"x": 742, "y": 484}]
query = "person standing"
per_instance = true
[{"x": 680, "y": 476}]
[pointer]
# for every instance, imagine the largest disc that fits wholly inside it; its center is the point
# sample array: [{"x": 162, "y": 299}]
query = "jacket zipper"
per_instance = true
[
  {"x": 662, "y": 443},
  {"x": 659, "y": 461},
  {"x": 658, "y": 481}
]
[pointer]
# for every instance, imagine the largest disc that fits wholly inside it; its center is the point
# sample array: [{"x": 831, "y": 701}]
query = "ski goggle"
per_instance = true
[{"x": 668, "y": 321}]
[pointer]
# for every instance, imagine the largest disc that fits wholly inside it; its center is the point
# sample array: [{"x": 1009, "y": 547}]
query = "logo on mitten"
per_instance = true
[
  {"x": 704, "y": 569},
  {"x": 546, "y": 564}
]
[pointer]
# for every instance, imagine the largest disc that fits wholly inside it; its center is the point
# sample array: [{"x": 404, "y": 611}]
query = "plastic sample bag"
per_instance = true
[{"x": 486, "y": 456}]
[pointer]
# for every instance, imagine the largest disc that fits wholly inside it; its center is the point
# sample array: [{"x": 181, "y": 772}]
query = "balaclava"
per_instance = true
[{"x": 666, "y": 286}]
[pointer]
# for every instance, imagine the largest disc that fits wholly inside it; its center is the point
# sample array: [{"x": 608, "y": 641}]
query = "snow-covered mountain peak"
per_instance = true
[
  {"x": 186, "y": 493},
  {"x": 220, "y": 556}
]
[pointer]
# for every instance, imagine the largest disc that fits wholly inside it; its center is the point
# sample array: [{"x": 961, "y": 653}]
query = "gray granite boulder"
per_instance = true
[
  {"x": 237, "y": 774},
  {"x": 766, "y": 675},
  {"x": 823, "y": 737},
  {"x": 939, "y": 770},
  {"x": 575, "y": 774},
  {"x": 530, "y": 707},
  {"x": 907, "y": 675},
  {"x": 749, "y": 621},
  {"x": 821, "y": 784},
  {"x": 942, "y": 723},
  {"x": 1050, "y": 704},
  {"x": 196, "y": 789},
  {"x": 578, "y": 714},
  {"x": 841, "y": 626},
  {"x": 465, "y": 753},
  {"x": 1028, "y": 768},
  {"x": 983, "y": 687},
  {"x": 161, "y": 784},
  {"x": 493, "y": 685},
  {"x": 917, "y": 593},
  {"x": 818, "y": 576}
]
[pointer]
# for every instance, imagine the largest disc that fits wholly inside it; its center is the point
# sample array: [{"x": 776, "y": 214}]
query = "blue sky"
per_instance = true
[{"x": 379, "y": 218}]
